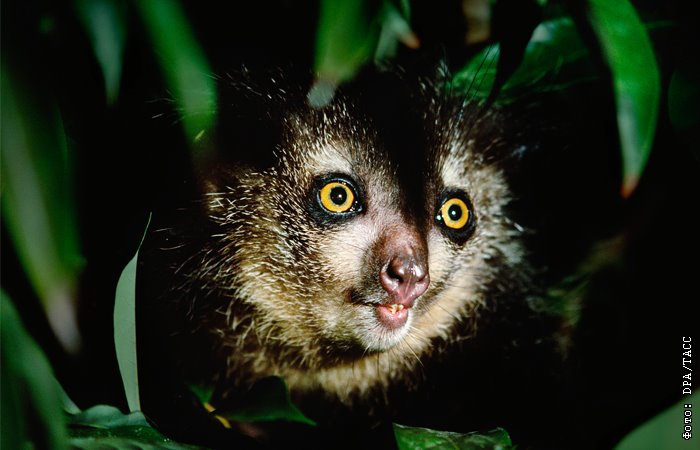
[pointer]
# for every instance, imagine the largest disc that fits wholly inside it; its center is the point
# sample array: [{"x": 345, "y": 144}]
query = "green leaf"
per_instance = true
[
  {"x": 268, "y": 400},
  {"x": 395, "y": 29},
  {"x": 106, "y": 417},
  {"x": 105, "y": 23},
  {"x": 184, "y": 65},
  {"x": 125, "y": 329},
  {"x": 345, "y": 38},
  {"x": 476, "y": 79},
  {"x": 29, "y": 389},
  {"x": 133, "y": 438},
  {"x": 104, "y": 426},
  {"x": 350, "y": 33},
  {"x": 38, "y": 202},
  {"x": 663, "y": 432},
  {"x": 636, "y": 81},
  {"x": 410, "y": 438},
  {"x": 555, "y": 58},
  {"x": 513, "y": 24}
]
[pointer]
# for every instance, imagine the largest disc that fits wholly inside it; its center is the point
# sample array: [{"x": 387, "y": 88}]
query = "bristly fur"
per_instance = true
[{"x": 253, "y": 284}]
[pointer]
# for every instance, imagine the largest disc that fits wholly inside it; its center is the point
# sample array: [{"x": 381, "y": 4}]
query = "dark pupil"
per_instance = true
[
  {"x": 455, "y": 212},
  {"x": 338, "y": 195}
]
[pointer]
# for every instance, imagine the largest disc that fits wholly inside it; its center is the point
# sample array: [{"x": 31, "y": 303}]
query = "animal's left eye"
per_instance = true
[
  {"x": 454, "y": 214},
  {"x": 337, "y": 197}
]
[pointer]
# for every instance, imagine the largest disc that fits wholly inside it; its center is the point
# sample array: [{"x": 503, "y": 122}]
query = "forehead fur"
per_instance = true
[{"x": 330, "y": 141}]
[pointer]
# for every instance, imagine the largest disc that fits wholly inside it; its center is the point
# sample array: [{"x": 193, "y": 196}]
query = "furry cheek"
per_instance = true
[
  {"x": 344, "y": 250},
  {"x": 448, "y": 296}
]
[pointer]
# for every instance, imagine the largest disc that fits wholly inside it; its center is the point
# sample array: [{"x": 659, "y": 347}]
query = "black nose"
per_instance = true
[{"x": 405, "y": 276}]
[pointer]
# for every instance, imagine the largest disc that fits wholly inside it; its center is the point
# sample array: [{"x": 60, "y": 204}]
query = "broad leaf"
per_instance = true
[
  {"x": 410, "y": 438},
  {"x": 665, "y": 431},
  {"x": 555, "y": 58},
  {"x": 105, "y": 426}
]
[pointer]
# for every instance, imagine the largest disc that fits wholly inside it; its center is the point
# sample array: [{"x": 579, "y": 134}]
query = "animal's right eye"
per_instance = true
[{"x": 337, "y": 197}]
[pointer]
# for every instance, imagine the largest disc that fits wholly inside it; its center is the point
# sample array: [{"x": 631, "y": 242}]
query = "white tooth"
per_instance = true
[
  {"x": 393, "y": 308},
  {"x": 400, "y": 306}
]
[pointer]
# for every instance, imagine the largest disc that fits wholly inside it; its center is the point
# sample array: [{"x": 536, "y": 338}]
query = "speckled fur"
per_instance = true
[{"x": 268, "y": 287}]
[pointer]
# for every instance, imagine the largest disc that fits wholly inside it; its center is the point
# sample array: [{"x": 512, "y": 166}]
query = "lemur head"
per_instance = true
[{"x": 378, "y": 226}]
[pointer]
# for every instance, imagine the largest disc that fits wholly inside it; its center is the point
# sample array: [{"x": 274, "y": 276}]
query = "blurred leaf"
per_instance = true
[
  {"x": 29, "y": 389},
  {"x": 37, "y": 203},
  {"x": 410, "y": 438},
  {"x": 184, "y": 65},
  {"x": 395, "y": 29},
  {"x": 345, "y": 39},
  {"x": 663, "y": 432},
  {"x": 268, "y": 400},
  {"x": 349, "y": 34},
  {"x": 69, "y": 405},
  {"x": 105, "y": 23},
  {"x": 104, "y": 426},
  {"x": 636, "y": 81},
  {"x": 125, "y": 329}
]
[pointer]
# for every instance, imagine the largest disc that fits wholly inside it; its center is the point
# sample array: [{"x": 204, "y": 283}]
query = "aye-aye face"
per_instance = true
[{"x": 374, "y": 230}]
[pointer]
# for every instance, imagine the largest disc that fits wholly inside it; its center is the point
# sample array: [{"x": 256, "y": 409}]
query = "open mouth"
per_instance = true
[
  {"x": 381, "y": 323},
  {"x": 392, "y": 316}
]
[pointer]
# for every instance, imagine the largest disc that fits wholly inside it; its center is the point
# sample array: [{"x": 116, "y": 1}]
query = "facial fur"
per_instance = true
[{"x": 287, "y": 288}]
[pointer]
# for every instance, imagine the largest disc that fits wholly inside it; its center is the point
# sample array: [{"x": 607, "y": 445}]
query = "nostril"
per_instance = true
[
  {"x": 405, "y": 278},
  {"x": 389, "y": 279},
  {"x": 406, "y": 269},
  {"x": 399, "y": 268}
]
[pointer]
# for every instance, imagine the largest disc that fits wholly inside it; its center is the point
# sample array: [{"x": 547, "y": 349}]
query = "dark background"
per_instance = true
[{"x": 129, "y": 158}]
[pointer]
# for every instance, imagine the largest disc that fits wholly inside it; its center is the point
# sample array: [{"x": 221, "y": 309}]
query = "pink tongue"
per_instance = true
[{"x": 392, "y": 316}]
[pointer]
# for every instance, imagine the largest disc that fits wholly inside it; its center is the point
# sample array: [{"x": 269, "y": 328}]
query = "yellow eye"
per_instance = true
[
  {"x": 454, "y": 213},
  {"x": 337, "y": 197}
]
